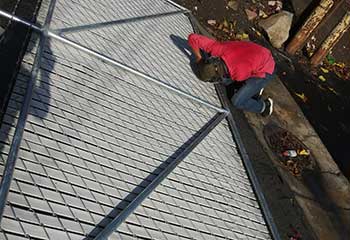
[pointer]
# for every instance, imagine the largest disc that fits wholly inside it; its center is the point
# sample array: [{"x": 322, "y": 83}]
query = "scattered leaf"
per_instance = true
[
  {"x": 321, "y": 87},
  {"x": 262, "y": 14},
  {"x": 302, "y": 97},
  {"x": 330, "y": 59},
  {"x": 322, "y": 78},
  {"x": 251, "y": 15},
  {"x": 257, "y": 32},
  {"x": 338, "y": 74},
  {"x": 233, "y": 4},
  {"x": 242, "y": 36},
  {"x": 225, "y": 23},
  {"x": 245, "y": 36},
  {"x": 333, "y": 90},
  {"x": 341, "y": 65},
  {"x": 325, "y": 70}
]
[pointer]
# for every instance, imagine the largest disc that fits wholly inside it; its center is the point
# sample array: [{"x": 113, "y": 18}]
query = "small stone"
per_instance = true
[
  {"x": 277, "y": 27},
  {"x": 251, "y": 14},
  {"x": 233, "y": 4},
  {"x": 211, "y": 22}
]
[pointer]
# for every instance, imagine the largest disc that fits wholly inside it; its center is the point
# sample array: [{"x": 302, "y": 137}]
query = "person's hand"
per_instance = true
[
  {"x": 198, "y": 59},
  {"x": 197, "y": 55}
]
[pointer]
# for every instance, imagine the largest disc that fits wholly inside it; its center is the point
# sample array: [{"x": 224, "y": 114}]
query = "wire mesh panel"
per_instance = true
[
  {"x": 148, "y": 45},
  {"x": 96, "y": 136}
]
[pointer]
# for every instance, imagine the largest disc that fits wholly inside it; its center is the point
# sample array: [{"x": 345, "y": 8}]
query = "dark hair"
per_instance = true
[{"x": 211, "y": 69}]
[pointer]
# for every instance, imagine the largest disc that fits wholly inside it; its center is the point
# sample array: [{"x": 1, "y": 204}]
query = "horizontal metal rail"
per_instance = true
[
  {"x": 115, "y": 22},
  {"x": 14, "y": 18},
  {"x": 113, "y": 62},
  {"x": 187, "y": 148},
  {"x": 17, "y": 138}
]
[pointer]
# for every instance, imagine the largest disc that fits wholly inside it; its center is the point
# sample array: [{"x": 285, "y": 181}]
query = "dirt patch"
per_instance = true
[{"x": 291, "y": 152}]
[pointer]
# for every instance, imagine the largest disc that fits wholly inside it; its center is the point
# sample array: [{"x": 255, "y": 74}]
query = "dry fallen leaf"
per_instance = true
[
  {"x": 325, "y": 70},
  {"x": 322, "y": 78},
  {"x": 333, "y": 91},
  {"x": 301, "y": 96}
]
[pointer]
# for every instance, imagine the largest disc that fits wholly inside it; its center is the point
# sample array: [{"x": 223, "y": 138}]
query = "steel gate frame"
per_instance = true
[{"x": 45, "y": 32}]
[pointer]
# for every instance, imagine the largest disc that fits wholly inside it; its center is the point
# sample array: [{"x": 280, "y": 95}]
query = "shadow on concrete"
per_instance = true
[{"x": 314, "y": 181}]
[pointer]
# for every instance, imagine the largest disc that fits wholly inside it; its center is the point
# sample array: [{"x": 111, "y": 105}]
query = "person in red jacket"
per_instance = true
[{"x": 240, "y": 61}]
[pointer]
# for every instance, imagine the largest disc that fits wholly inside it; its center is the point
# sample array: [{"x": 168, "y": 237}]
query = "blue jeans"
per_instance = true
[{"x": 244, "y": 97}]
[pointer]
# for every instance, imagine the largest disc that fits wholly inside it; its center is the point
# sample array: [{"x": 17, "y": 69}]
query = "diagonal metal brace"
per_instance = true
[{"x": 186, "y": 149}]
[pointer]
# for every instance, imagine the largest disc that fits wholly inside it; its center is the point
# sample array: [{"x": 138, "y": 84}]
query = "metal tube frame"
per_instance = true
[{"x": 15, "y": 144}]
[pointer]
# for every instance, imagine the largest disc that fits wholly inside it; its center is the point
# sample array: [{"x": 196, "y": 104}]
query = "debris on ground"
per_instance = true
[
  {"x": 233, "y": 4},
  {"x": 324, "y": 70},
  {"x": 301, "y": 96},
  {"x": 275, "y": 5},
  {"x": 256, "y": 32},
  {"x": 295, "y": 235},
  {"x": 223, "y": 30},
  {"x": 251, "y": 15},
  {"x": 340, "y": 69},
  {"x": 291, "y": 152},
  {"x": 262, "y": 14},
  {"x": 330, "y": 59},
  {"x": 322, "y": 78},
  {"x": 311, "y": 46}
]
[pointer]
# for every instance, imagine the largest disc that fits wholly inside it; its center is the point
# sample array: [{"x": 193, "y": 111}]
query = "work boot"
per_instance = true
[{"x": 268, "y": 107}]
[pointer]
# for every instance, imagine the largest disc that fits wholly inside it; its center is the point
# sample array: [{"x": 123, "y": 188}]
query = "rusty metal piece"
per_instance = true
[
  {"x": 331, "y": 40},
  {"x": 309, "y": 26}
]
